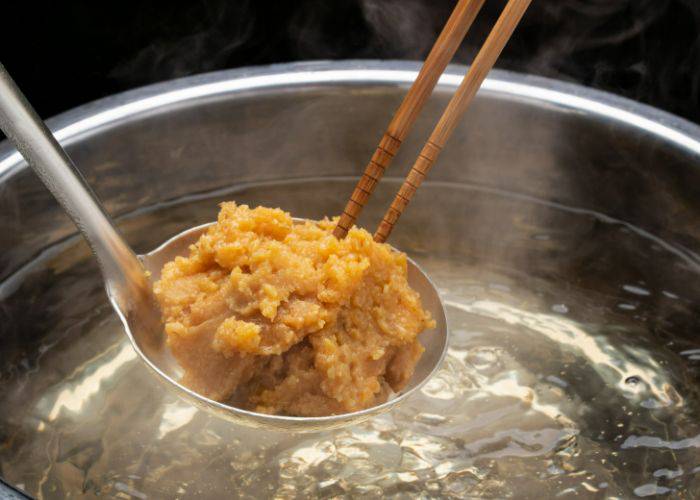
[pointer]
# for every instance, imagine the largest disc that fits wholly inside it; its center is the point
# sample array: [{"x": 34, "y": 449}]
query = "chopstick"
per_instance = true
[
  {"x": 440, "y": 55},
  {"x": 484, "y": 61}
]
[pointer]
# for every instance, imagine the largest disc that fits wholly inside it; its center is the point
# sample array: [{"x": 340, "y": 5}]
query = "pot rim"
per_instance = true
[{"x": 111, "y": 110}]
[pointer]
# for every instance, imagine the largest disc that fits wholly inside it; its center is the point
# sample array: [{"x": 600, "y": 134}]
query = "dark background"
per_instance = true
[{"x": 65, "y": 53}]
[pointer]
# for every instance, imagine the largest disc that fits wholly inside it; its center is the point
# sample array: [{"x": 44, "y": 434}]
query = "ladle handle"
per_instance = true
[{"x": 34, "y": 141}]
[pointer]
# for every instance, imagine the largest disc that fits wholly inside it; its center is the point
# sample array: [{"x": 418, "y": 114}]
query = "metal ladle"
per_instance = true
[{"x": 128, "y": 276}]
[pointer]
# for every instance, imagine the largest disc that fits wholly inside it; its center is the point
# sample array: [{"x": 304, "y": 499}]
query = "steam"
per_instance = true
[
  {"x": 642, "y": 49},
  {"x": 402, "y": 28},
  {"x": 636, "y": 48},
  {"x": 632, "y": 47},
  {"x": 225, "y": 28},
  {"x": 648, "y": 50}
]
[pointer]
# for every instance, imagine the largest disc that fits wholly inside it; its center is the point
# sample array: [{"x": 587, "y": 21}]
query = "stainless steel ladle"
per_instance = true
[{"x": 128, "y": 277}]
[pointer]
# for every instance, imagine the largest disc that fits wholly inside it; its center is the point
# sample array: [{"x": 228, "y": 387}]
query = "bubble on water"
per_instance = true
[
  {"x": 483, "y": 358},
  {"x": 125, "y": 488},
  {"x": 634, "y": 441},
  {"x": 589, "y": 487},
  {"x": 439, "y": 388},
  {"x": 560, "y": 308},
  {"x": 650, "y": 489},
  {"x": 430, "y": 418},
  {"x": 554, "y": 470},
  {"x": 692, "y": 354},
  {"x": 668, "y": 473},
  {"x": 636, "y": 290},
  {"x": 556, "y": 380}
]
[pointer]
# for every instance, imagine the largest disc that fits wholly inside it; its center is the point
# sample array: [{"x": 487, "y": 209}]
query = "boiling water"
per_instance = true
[{"x": 572, "y": 368}]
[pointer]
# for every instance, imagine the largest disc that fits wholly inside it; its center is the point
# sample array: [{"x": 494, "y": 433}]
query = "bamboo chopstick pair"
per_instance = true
[{"x": 440, "y": 55}]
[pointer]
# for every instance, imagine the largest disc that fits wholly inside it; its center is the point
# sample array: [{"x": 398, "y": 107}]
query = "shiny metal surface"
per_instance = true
[
  {"x": 126, "y": 283},
  {"x": 549, "y": 206},
  {"x": 549, "y": 124},
  {"x": 129, "y": 288},
  {"x": 34, "y": 141}
]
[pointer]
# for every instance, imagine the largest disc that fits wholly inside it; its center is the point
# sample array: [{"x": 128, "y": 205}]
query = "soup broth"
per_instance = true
[{"x": 573, "y": 368}]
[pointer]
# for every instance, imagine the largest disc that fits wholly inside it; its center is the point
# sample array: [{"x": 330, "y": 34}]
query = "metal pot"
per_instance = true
[{"x": 295, "y": 136}]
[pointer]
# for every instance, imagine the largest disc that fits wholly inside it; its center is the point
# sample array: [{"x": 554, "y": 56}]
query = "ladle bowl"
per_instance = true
[
  {"x": 128, "y": 278},
  {"x": 158, "y": 357}
]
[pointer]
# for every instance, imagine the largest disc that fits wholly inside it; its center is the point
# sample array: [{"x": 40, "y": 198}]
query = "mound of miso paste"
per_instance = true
[{"x": 283, "y": 318}]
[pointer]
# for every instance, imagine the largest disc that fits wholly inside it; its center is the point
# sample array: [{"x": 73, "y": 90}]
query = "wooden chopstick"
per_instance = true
[
  {"x": 484, "y": 61},
  {"x": 440, "y": 55}
]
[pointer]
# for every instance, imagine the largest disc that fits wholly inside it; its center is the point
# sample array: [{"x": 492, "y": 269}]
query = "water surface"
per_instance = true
[{"x": 572, "y": 371}]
